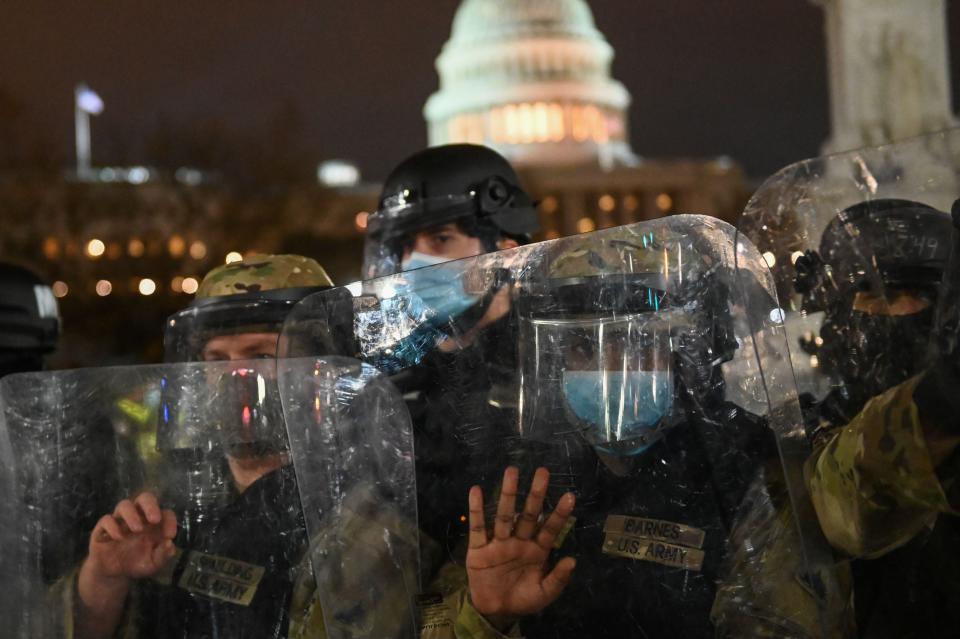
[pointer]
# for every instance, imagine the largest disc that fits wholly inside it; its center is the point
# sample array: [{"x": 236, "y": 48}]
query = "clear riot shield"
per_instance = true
[
  {"x": 351, "y": 442},
  {"x": 646, "y": 367},
  {"x": 859, "y": 245},
  {"x": 178, "y": 501},
  {"x": 870, "y": 223}
]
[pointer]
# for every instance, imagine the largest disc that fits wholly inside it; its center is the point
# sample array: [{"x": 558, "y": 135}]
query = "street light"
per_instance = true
[{"x": 86, "y": 103}]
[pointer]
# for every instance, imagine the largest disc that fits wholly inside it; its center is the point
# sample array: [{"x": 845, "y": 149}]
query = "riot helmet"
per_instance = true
[
  {"x": 29, "y": 320},
  {"x": 470, "y": 186},
  {"x": 252, "y": 296},
  {"x": 876, "y": 277}
]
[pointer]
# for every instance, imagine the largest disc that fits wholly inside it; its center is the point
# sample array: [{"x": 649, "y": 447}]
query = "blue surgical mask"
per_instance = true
[
  {"x": 620, "y": 407},
  {"x": 440, "y": 289}
]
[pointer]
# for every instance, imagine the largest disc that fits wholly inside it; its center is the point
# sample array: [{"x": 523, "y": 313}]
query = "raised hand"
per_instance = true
[
  {"x": 135, "y": 541},
  {"x": 507, "y": 572}
]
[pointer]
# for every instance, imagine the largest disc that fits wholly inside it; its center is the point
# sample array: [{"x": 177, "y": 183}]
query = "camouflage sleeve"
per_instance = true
[
  {"x": 470, "y": 624},
  {"x": 873, "y": 483},
  {"x": 62, "y": 603},
  {"x": 764, "y": 587}
]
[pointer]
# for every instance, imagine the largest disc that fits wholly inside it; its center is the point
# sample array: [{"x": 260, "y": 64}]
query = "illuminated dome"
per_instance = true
[{"x": 530, "y": 78}]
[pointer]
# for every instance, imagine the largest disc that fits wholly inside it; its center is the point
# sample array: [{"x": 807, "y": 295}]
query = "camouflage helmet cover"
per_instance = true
[
  {"x": 624, "y": 256},
  {"x": 638, "y": 268},
  {"x": 604, "y": 272},
  {"x": 250, "y": 296},
  {"x": 259, "y": 273}
]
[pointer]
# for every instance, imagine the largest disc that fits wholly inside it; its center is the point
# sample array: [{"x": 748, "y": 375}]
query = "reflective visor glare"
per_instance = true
[{"x": 616, "y": 347}]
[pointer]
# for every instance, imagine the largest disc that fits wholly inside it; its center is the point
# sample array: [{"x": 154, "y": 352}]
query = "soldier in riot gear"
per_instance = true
[
  {"x": 885, "y": 458},
  {"x": 29, "y": 320},
  {"x": 441, "y": 204},
  {"x": 879, "y": 274},
  {"x": 623, "y": 400},
  {"x": 236, "y": 317},
  {"x": 233, "y": 556}
]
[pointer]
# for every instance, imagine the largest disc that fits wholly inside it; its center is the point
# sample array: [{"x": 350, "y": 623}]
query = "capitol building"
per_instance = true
[{"x": 532, "y": 79}]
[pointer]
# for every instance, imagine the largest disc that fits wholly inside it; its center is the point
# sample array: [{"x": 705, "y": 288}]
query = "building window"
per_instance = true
[
  {"x": 664, "y": 202},
  {"x": 549, "y": 204},
  {"x": 585, "y": 225},
  {"x": 606, "y": 203},
  {"x": 557, "y": 130}
]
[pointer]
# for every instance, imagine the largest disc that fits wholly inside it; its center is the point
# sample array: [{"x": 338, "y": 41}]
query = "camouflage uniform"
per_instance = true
[
  {"x": 153, "y": 602},
  {"x": 873, "y": 482},
  {"x": 880, "y": 497}
]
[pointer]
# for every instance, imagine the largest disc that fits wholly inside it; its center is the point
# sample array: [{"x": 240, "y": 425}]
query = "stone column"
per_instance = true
[{"x": 888, "y": 67}]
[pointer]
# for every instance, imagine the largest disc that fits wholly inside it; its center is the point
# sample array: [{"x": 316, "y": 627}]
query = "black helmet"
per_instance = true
[
  {"x": 29, "y": 317},
  {"x": 464, "y": 183},
  {"x": 874, "y": 247},
  {"x": 905, "y": 243}
]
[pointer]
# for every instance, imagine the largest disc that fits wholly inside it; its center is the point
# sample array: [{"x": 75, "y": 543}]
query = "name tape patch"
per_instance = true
[
  {"x": 651, "y": 550},
  {"x": 434, "y": 621},
  {"x": 658, "y": 529},
  {"x": 221, "y": 578}
]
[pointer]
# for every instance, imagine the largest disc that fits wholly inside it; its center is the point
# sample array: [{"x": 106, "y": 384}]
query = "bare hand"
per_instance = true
[
  {"x": 507, "y": 573},
  {"x": 135, "y": 541}
]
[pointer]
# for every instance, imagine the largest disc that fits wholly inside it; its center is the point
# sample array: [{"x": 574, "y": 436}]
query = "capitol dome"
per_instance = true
[{"x": 530, "y": 78}]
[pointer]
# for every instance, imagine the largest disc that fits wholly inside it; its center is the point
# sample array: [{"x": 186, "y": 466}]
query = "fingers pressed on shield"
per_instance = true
[
  {"x": 161, "y": 553},
  {"x": 127, "y": 513},
  {"x": 527, "y": 525},
  {"x": 169, "y": 524},
  {"x": 147, "y": 503},
  {"x": 507, "y": 506},
  {"x": 478, "y": 528},
  {"x": 107, "y": 529},
  {"x": 555, "y": 522},
  {"x": 554, "y": 583}
]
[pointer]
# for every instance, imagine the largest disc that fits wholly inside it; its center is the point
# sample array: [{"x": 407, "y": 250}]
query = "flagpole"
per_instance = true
[
  {"x": 82, "y": 124},
  {"x": 85, "y": 104}
]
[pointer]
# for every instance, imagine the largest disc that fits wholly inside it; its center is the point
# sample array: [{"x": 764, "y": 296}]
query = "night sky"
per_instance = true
[{"x": 708, "y": 77}]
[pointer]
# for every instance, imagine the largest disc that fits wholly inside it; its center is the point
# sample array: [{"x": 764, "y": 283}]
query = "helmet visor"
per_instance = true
[
  {"x": 188, "y": 331},
  {"x": 392, "y": 228},
  {"x": 231, "y": 406},
  {"x": 611, "y": 376}
]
